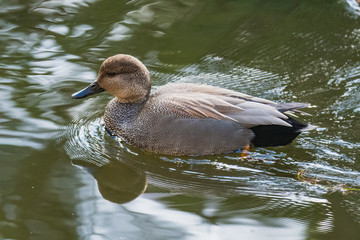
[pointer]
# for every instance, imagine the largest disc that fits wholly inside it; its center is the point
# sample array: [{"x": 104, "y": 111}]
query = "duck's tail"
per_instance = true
[
  {"x": 309, "y": 127},
  {"x": 276, "y": 135}
]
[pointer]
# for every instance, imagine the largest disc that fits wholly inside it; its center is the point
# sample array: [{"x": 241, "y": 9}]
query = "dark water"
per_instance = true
[{"x": 63, "y": 177}]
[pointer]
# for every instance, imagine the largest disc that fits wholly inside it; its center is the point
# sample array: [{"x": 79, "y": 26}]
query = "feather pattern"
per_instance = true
[
  {"x": 203, "y": 101},
  {"x": 186, "y": 118}
]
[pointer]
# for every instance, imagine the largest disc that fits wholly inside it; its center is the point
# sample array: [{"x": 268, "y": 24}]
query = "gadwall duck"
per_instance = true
[{"x": 187, "y": 118}]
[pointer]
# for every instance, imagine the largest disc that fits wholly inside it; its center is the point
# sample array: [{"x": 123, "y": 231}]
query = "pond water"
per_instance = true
[{"x": 63, "y": 177}]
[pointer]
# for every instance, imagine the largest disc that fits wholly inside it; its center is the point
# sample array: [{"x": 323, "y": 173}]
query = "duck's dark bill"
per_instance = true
[{"x": 89, "y": 90}]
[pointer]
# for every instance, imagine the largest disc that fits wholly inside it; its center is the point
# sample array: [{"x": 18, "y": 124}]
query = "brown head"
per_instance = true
[{"x": 123, "y": 76}]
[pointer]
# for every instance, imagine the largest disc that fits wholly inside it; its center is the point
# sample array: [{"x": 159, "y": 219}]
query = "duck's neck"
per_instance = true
[
  {"x": 127, "y": 109},
  {"x": 133, "y": 98}
]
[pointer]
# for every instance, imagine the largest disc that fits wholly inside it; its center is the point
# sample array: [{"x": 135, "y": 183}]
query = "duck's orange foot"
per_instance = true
[{"x": 245, "y": 151}]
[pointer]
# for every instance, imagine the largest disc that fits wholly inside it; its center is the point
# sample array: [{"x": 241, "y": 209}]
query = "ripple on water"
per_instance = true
[
  {"x": 265, "y": 172},
  {"x": 286, "y": 181},
  {"x": 218, "y": 71},
  {"x": 348, "y": 104},
  {"x": 268, "y": 172},
  {"x": 354, "y": 6}
]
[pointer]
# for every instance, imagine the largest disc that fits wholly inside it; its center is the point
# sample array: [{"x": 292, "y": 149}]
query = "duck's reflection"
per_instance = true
[{"x": 117, "y": 182}]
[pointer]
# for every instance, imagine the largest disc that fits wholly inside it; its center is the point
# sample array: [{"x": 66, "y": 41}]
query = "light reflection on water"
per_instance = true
[
  {"x": 50, "y": 49},
  {"x": 263, "y": 170},
  {"x": 266, "y": 176}
]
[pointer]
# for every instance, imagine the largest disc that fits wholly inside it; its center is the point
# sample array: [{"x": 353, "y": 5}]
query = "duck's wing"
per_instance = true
[
  {"x": 192, "y": 124},
  {"x": 205, "y": 120},
  {"x": 196, "y": 105},
  {"x": 288, "y": 108}
]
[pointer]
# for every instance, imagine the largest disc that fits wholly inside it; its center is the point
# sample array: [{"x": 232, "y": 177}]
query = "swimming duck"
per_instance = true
[{"x": 187, "y": 118}]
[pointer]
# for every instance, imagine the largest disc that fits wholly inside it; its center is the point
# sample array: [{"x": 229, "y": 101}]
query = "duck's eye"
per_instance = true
[{"x": 111, "y": 74}]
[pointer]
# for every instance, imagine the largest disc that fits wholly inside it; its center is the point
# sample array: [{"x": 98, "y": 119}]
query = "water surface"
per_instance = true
[{"x": 63, "y": 177}]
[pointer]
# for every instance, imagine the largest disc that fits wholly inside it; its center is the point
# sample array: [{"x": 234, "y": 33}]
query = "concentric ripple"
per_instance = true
[
  {"x": 265, "y": 171},
  {"x": 290, "y": 180}
]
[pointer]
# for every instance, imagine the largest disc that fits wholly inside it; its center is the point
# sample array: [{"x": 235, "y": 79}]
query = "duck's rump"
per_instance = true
[{"x": 277, "y": 135}]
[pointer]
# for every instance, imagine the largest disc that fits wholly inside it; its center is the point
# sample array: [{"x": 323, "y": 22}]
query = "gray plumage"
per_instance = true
[{"x": 186, "y": 118}]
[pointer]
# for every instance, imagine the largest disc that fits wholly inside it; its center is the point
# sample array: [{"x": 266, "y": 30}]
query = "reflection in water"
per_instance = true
[
  {"x": 117, "y": 182},
  {"x": 190, "y": 192},
  {"x": 262, "y": 185},
  {"x": 354, "y": 6},
  {"x": 306, "y": 51}
]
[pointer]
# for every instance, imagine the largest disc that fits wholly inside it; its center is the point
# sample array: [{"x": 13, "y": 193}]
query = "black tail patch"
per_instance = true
[{"x": 275, "y": 135}]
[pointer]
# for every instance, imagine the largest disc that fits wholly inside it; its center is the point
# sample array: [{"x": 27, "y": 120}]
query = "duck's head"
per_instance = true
[{"x": 123, "y": 76}]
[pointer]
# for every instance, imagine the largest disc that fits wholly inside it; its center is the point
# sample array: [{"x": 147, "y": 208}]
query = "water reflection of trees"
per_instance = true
[
  {"x": 47, "y": 45},
  {"x": 216, "y": 202}
]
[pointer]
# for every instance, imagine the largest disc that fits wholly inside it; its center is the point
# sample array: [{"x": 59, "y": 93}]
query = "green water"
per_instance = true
[{"x": 63, "y": 177}]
